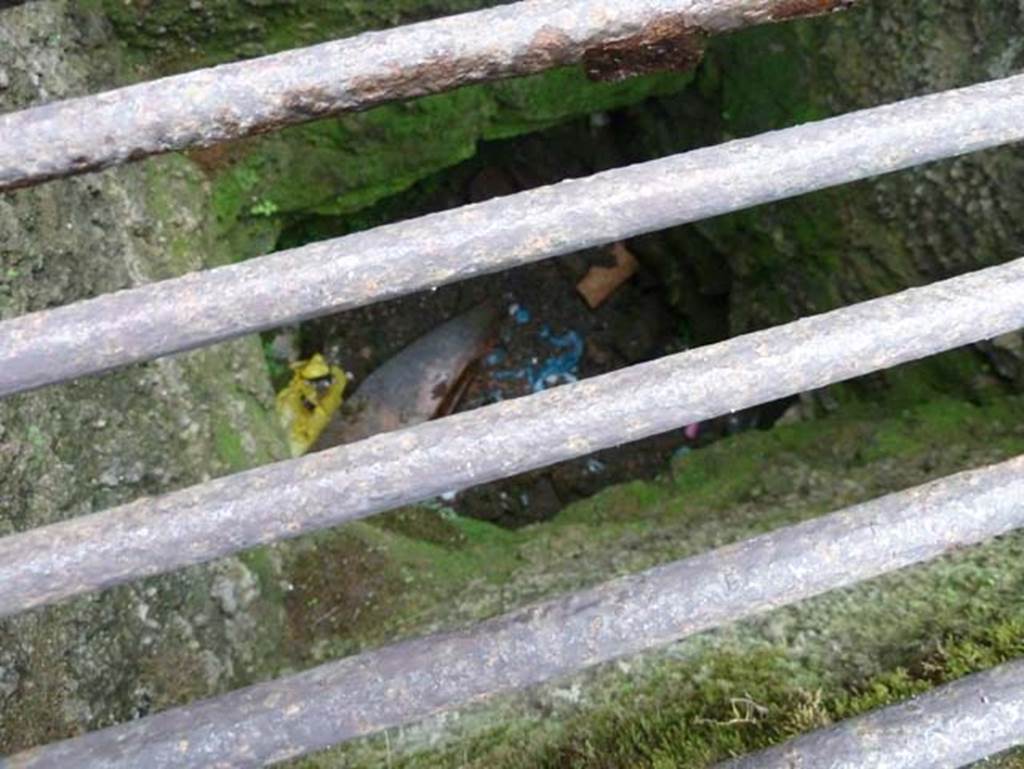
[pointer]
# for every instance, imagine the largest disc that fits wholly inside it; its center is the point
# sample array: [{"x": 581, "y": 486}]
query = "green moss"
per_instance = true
[
  {"x": 731, "y": 703},
  {"x": 788, "y": 88},
  {"x": 262, "y": 562},
  {"x": 175, "y": 192},
  {"x": 721, "y": 704},
  {"x": 232, "y": 377},
  {"x": 368, "y": 583},
  {"x": 820, "y": 251},
  {"x": 425, "y": 525},
  {"x": 340, "y": 166},
  {"x": 228, "y": 445},
  {"x": 1012, "y": 760},
  {"x": 529, "y": 104},
  {"x": 343, "y": 588},
  {"x": 732, "y": 692},
  {"x": 744, "y": 687},
  {"x": 173, "y": 672},
  {"x": 250, "y": 437}
]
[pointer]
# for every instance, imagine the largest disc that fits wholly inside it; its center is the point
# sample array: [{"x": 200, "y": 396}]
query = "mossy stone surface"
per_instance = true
[
  {"x": 96, "y": 443},
  {"x": 749, "y": 685}
]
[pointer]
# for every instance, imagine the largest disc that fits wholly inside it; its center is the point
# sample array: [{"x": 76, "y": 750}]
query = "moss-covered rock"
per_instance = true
[
  {"x": 342, "y": 165},
  {"x": 89, "y": 445},
  {"x": 739, "y": 688},
  {"x": 821, "y": 251},
  {"x": 98, "y": 442},
  {"x": 92, "y": 444}
]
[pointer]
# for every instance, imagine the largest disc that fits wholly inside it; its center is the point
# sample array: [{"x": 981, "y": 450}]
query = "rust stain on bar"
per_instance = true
[
  {"x": 667, "y": 44},
  {"x": 802, "y": 9}
]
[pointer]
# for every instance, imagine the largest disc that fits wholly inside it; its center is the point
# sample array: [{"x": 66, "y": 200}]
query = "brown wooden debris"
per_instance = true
[{"x": 601, "y": 282}]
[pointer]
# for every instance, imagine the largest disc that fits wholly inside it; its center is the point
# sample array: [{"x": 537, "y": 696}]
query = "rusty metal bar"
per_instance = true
[
  {"x": 151, "y": 536},
  {"x": 202, "y": 308},
  {"x": 397, "y": 684},
  {"x": 209, "y": 106},
  {"x": 954, "y": 725}
]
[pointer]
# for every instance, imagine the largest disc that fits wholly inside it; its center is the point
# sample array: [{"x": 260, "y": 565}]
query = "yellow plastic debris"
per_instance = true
[{"x": 307, "y": 404}]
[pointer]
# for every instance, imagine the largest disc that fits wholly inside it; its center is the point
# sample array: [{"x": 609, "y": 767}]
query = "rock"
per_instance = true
[
  {"x": 8, "y": 682},
  {"x": 1006, "y": 353},
  {"x": 107, "y": 440},
  {"x": 236, "y": 589},
  {"x": 284, "y": 346}
]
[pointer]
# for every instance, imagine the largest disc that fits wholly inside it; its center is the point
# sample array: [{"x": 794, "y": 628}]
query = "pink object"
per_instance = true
[{"x": 692, "y": 432}]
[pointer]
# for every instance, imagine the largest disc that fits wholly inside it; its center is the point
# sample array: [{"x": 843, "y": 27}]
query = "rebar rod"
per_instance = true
[
  {"x": 404, "y": 682},
  {"x": 952, "y": 726},
  {"x": 151, "y": 536},
  {"x": 206, "y": 307},
  {"x": 209, "y": 106}
]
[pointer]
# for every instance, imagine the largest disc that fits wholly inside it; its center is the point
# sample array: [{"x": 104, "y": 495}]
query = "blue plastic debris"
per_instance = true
[
  {"x": 519, "y": 313},
  {"x": 511, "y": 374},
  {"x": 559, "y": 369},
  {"x": 552, "y": 371},
  {"x": 555, "y": 370}
]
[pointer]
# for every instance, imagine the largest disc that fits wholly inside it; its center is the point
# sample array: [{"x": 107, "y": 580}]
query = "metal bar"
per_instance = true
[
  {"x": 202, "y": 308},
  {"x": 283, "y": 500},
  {"x": 209, "y": 106},
  {"x": 397, "y": 684},
  {"x": 954, "y": 725}
]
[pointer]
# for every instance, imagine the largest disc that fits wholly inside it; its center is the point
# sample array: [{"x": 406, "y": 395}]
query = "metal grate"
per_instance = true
[
  {"x": 287, "y": 499},
  {"x": 404, "y": 682},
  {"x": 390, "y": 686},
  {"x": 131, "y": 326}
]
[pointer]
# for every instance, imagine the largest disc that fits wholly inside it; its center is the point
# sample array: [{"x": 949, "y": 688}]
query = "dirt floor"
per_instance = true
[{"x": 548, "y": 335}]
